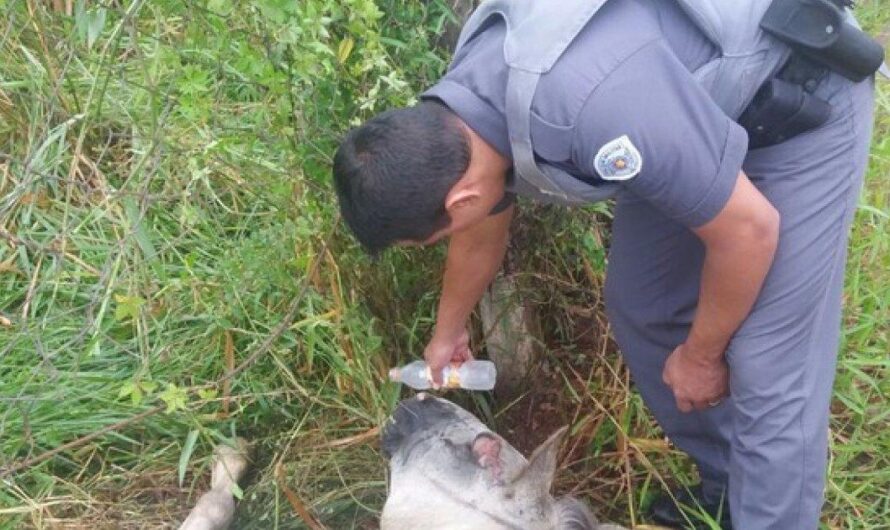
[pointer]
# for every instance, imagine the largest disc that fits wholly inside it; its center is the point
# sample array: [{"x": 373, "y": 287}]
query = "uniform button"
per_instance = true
[{"x": 810, "y": 85}]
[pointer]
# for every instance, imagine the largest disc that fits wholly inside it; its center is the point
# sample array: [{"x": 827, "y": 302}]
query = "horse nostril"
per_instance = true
[{"x": 404, "y": 421}]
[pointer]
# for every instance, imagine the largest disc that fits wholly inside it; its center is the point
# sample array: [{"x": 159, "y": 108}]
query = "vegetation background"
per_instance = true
[{"x": 173, "y": 274}]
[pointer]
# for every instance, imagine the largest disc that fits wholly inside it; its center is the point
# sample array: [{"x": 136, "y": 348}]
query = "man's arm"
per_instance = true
[
  {"x": 740, "y": 243},
  {"x": 474, "y": 258}
]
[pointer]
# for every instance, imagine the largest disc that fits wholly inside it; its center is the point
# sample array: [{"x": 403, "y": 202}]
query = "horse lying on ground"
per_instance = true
[{"x": 449, "y": 472}]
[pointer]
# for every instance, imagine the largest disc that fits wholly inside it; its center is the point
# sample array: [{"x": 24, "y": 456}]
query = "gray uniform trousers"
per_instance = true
[{"x": 769, "y": 440}]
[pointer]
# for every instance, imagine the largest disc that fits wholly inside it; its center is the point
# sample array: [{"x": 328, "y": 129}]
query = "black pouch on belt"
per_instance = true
[
  {"x": 818, "y": 29},
  {"x": 782, "y": 110}
]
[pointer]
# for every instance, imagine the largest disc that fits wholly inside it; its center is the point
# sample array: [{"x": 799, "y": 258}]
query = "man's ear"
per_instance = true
[{"x": 461, "y": 197}]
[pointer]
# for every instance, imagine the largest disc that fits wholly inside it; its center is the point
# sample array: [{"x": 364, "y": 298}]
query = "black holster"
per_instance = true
[{"x": 782, "y": 110}]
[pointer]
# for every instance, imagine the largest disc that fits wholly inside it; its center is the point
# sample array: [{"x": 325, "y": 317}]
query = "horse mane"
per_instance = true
[{"x": 574, "y": 515}]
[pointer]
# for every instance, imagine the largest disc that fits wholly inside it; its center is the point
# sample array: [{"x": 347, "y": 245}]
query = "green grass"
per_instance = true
[{"x": 166, "y": 215}]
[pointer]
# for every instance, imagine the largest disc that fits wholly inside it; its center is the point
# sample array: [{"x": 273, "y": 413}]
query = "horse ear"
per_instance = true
[
  {"x": 538, "y": 475},
  {"x": 487, "y": 452}
]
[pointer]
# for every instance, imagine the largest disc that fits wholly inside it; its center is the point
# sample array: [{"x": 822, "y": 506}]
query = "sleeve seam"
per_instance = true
[
  {"x": 691, "y": 216},
  {"x": 589, "y": 97}
]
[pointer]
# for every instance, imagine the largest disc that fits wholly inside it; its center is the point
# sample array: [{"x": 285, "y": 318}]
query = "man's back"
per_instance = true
[
  {"x": 474, "y": 86},
  {"x": 624, "y": 83}
]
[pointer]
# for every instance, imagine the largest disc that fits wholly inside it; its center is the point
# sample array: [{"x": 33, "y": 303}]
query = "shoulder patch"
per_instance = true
[{"x": 618, "y": 160}]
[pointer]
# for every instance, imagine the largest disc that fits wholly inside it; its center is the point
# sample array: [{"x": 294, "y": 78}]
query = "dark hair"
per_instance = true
[{"x": 392, "y": 174}]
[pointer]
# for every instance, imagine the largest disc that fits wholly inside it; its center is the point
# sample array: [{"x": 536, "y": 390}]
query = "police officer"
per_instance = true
[{"x": 725, "y": 271}]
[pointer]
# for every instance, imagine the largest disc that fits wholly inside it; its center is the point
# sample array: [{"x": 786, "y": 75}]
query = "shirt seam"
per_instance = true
[
  {"x": 589, "y": 97},
  {"x": 447, "y": 88}
]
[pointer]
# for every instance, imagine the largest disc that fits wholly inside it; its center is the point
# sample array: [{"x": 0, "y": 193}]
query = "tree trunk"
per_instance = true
[{"x": 512, "y": 333}]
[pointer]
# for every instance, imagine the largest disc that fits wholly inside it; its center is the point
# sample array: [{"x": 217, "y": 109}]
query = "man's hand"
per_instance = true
[
  {"x": 740, "y": 243},
  {"x": 698, "y": 381},
  {"x": 443, "y": 350}
]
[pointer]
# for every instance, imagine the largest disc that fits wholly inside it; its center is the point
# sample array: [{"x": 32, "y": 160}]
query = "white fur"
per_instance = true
[{"x": 436, "y": 484}]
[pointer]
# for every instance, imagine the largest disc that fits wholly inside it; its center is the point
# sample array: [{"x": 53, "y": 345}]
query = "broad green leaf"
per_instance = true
[
  {"x": 237, "y": 492},
  {"x": 345, "y": 49},
  {"x": 132, "y": 390},
  {"x": 126, "y": 389},
  {"x": 207, "y": 393},
  {"x": 174, "y": 397},
  {"x": 127, "y": 307},
  {"x": 275, "y": 10}
]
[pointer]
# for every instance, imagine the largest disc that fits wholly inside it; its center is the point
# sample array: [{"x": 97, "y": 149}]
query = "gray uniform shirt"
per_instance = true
[{"x": 626, "y": 74}]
